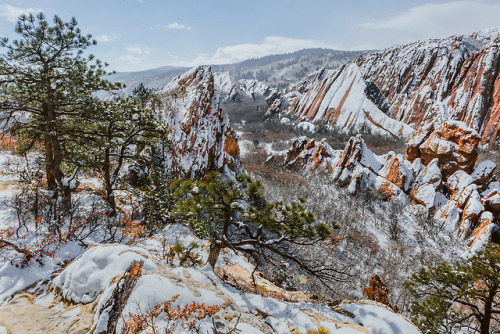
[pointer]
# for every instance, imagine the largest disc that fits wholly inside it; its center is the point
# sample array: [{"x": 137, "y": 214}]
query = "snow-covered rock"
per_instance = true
[
  {"x": 201, "y": 138},
  {"x": 454, "y": 144},
  {"x": 242, "y": 89},
  {"x": 84, "y": 279},
  {"x": 440, "y": 79},
  {"x": 284, "y": 310},
  {"x": 438, "y": 176},
  {"x": 340, "y": 100},
  {"x": 427, "y": 185},
  {"x": 307, "y": 126},
  {"x": 403, "y": 88},
  {"x": 310, "y": 153}
]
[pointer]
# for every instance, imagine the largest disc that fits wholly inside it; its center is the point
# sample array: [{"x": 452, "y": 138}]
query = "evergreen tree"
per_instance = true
[
  {"x": 233, "y": 214},
  {"x": 157, "y": 199},
  {"x": 46, "y": 83},
  {"x": 144, "y": 95},
  {"x": 461, "y": 296},
  {"x": 110, "y": 138}
]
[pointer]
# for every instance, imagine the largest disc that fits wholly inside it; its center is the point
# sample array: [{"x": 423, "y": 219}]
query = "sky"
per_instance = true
[{"x": 137, "y": 35}]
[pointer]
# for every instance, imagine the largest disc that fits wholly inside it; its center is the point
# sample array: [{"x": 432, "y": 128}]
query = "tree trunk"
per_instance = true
[
  {"x": 66, "y": 197},
  {"x": 51, "y": 180},
  {"x": 485, "y": 324},
  {"x": 54, "y": 158},
  {"x": 486, "y": 320},
  {"x": 116, "y": 303},
  {"x": 49, "y": 153},
  {"x": 215, "y": 248},
  {"x": 110, "y": 198}
]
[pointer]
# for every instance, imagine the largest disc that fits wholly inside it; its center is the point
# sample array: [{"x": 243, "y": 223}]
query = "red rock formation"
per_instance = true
[
  {"x": 424, "y": 82},
  {"x": 446, "y": 189},
  {"x": 275, "y": 107},
  {"x": 453, "y": 143},
  {"x": 311, "y": 153},
  {"x": 339, "y": 99},
  {"x": 461, "y": 72},
  {"x": 492, "y": 202},
  {"x": 413, "y": 145},
  {"x": 483, "y": 232},
  {"x": 201, "y": 137}
]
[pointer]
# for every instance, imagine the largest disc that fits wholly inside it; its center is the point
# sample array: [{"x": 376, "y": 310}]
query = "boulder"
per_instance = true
[
  {"x": 454, "y": 145},
  {"x": 483, "y": 232},
  {"x": 470, "y": 216},
  {"x": 426, "y": 185},
  {"x": 413, "y": 145},
  {"x": 492, "y": 202}
]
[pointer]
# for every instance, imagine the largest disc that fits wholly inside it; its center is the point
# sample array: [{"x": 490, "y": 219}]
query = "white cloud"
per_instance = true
[
  {"x": 178, "y": 26},
  {"x": 441, "y": 20},
  {"x": 105, "y": 38},
  {"x": 240, "y": 52},
  {"x": 134, "y": 60},
  {"x": 139, "y": 50},
  {"x": 136, "y": 54},
  {"x": 11, "y": 13}
]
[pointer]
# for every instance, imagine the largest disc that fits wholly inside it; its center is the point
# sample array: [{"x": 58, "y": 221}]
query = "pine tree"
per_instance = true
[
  {"x": 110, "y": 138},
  {"x": 461, "y": 296},
  {"x": 157, "y": 199},
  {"x": 144, "y": 95},
  {"x": 233, "y": 214},
  {"x": 46, "y": 84}
]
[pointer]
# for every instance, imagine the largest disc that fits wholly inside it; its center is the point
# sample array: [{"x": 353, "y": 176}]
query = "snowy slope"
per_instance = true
[
  {"x": 435, "y": 80},
  {"x": 340, "y": 100},
  {"x": 161, "y": 282}
]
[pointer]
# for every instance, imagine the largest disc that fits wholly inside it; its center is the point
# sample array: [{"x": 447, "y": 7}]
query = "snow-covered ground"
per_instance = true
[
  {"x": 160, "y": 282},
  {"x": 91, "y": 277}
]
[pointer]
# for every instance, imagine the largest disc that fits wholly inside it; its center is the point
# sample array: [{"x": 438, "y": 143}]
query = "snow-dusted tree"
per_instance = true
[
  {"x": 109, "y": 138},
  {"x": 233, "y": 214},
  {"x": 461, "y": 296},
  {"x": 45, "y": 85}
]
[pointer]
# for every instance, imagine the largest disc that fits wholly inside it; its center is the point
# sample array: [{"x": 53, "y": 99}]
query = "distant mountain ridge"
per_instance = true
[{"x": 275, "y": 70}]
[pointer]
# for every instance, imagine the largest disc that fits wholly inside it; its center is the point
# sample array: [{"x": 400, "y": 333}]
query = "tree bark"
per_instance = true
[
  {"x": 213, "y": 255},
  {"x": 116, "y": 303},
  {"x": 486, "y": 320},
  {"x": 110, "y": 198}
]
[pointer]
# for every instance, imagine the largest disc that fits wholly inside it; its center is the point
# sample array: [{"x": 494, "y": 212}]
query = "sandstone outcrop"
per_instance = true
[
  {"x": 403, "y": 88},
  {"x": 454, "y": 78},
  {"x": 453, "y": 144},
  {"x": 339, "y": 99},
  {"x": 439, "y": 176},
  {"x": 201, "y": 138}
]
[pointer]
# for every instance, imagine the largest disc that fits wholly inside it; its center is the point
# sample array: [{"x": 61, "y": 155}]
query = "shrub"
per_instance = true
[{"x": 187, "y": 317}]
